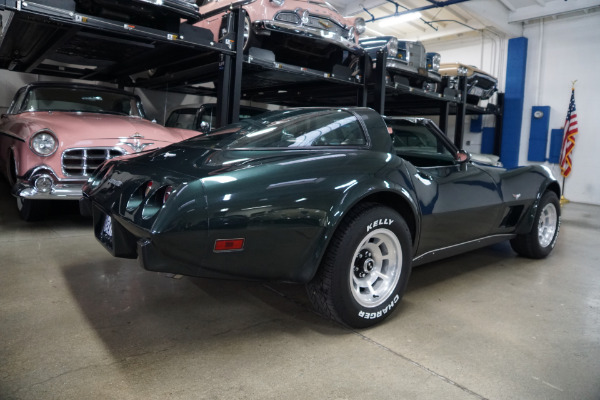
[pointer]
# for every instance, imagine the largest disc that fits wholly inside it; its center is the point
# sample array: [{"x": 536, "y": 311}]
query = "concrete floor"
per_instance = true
[{"x": 76, "y": 323}]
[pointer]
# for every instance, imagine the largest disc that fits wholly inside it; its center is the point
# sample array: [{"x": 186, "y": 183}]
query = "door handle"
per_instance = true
[{"x": 423, "y": 175}]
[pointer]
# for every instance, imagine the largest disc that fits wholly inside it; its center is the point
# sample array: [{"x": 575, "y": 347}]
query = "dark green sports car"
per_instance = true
[{"x": 331, "y": 197}]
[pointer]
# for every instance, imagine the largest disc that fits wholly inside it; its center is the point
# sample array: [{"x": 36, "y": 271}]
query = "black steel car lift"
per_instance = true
[{"x": 50, "y": 37}]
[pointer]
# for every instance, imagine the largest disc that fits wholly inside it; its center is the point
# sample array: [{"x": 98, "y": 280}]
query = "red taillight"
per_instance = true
[
  {"x": 148, "y": 188},
  {"x": 168, "y": 191},
  {"x": 229, "y": 244}
]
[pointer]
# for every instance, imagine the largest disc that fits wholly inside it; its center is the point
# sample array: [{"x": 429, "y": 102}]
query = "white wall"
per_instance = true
[
  {"x": 570, "y": 50},
  {"x": 484, "y": 50}
]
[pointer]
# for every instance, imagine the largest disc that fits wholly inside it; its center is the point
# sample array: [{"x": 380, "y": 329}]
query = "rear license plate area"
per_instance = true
[{"x": 106, "y": 231}]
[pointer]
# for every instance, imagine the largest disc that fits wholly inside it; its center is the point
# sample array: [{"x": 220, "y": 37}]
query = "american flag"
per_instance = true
[{"x": 570, "y": 130}]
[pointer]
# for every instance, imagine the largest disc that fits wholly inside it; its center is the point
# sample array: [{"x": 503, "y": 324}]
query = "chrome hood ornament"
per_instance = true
[{"x": 136, "y": 144}]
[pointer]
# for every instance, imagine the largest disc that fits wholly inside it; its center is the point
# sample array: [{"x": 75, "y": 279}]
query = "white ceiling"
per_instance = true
[{"x": 503, "y": 17}]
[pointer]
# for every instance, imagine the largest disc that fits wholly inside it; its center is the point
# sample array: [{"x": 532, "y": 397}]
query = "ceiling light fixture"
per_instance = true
[{"x": 398, "y": 19}]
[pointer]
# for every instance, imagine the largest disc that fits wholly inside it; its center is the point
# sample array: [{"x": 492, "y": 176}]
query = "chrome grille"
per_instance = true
[
  {"x": 288, "y": 16},
  {"x": 326, "y": 24},
  {"x": 314, "y": 21},
  {"x": 82, "y": 162}
]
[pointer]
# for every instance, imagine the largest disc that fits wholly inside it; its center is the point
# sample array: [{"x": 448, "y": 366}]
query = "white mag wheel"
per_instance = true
[
  {"x": 376, "y": 268},
  {"x": 547, "y": 225}
]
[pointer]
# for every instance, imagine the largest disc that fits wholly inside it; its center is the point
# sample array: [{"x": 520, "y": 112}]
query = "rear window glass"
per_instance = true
[{"x": 294, "y": 128}]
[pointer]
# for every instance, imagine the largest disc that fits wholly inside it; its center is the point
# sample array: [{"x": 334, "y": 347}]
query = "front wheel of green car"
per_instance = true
[
  {"x": 540, "y": 241},
  {"x": 365, "y": 270}
]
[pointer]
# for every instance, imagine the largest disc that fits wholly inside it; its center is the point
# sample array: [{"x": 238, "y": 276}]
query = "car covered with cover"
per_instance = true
[{"x": 328, "y": 197}]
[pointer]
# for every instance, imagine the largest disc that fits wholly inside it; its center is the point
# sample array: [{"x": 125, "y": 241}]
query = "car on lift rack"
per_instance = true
[
  {"x": 54, "y": 135},
  {"x": 322, "y": 196},
  {"x": 480, "y": 84},
  {"x": 158, "y": 14},
  {"x": 407, "y": 62},
  {"x": 306, "y": 33}
]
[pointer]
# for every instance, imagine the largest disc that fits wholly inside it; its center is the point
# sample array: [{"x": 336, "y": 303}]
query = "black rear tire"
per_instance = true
[
  {"x": 29, "y": 210},
  {"x": 366, "y": 267},
  {"x": 540, "y": 241}
]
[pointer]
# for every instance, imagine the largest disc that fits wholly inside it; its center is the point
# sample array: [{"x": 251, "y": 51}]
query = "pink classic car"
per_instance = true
[
  {"x": 54, "y": 135},
  {"x": 299, "y": 32}
]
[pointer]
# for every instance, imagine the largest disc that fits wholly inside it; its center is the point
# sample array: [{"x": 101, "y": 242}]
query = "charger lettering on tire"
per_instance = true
[{"x": 380, "y": 313}]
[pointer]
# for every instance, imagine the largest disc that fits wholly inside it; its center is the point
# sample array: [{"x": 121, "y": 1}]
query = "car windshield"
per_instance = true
[
  {"x": 325, "y": 4},
  {"x": 75, "y": 99},
  {"x": 182, "y": 118},
  {"x": 290, "y": 128},
  {"x": 415, "y": 142}
]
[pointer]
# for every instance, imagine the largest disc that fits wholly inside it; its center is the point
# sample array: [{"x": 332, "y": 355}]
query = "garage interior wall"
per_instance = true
[{"x": 570, "y": 50}]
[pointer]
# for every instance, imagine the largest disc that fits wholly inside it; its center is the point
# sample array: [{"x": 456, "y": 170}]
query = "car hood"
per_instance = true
[
  {"x": 451, "y": 69},
  {"x": 90, "y": 126}
]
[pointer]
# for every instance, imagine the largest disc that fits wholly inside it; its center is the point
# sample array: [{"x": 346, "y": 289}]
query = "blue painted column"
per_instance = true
[{"x": 513, "y": 101}]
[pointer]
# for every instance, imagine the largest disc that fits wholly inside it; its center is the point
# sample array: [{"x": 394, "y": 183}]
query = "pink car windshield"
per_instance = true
[{"x": 81, "y": 100}]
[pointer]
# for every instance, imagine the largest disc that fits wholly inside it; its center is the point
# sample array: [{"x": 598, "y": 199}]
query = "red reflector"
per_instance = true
[
  {"x": 168, "y": 191},
  {"x": 148, "y": 188},
  {"x": 229, "y": 244}
]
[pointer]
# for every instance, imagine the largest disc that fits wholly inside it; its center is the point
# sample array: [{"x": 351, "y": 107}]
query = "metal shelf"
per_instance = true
[{"x": 49, "y": 37}]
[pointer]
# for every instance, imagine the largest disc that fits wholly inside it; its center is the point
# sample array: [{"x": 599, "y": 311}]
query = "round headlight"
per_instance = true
[
  {"x": 435, "y": 62},
  {"x": 43, "y": 143},
  {"x": 392, "y": 47},
  {"x": 359, "y": 24}
]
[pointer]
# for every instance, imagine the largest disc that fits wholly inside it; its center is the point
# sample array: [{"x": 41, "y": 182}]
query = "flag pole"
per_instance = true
[{"x": 563, "y": 199}]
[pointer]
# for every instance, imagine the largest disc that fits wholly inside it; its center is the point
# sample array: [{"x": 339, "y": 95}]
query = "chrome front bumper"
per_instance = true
[
  {"x": 265, "y": 27},
  {"x": 402, "y": 67},
  {"x": 59, "y": 191}
]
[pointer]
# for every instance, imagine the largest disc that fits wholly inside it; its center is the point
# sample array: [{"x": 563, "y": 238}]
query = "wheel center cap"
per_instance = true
[{"x": 363, "y": 264}]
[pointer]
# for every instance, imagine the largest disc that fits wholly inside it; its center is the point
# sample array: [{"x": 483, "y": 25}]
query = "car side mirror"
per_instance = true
[
  {"x": 462, "y": 157},
  {"x": 204, "y": 127}
]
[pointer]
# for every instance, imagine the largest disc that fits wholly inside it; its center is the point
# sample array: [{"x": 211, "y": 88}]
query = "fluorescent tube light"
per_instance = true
[{"x": 399, "y": 19}]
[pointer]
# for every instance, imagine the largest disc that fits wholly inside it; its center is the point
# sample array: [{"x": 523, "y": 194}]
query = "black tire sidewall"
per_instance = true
[{"x": 347, "y": 308}]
